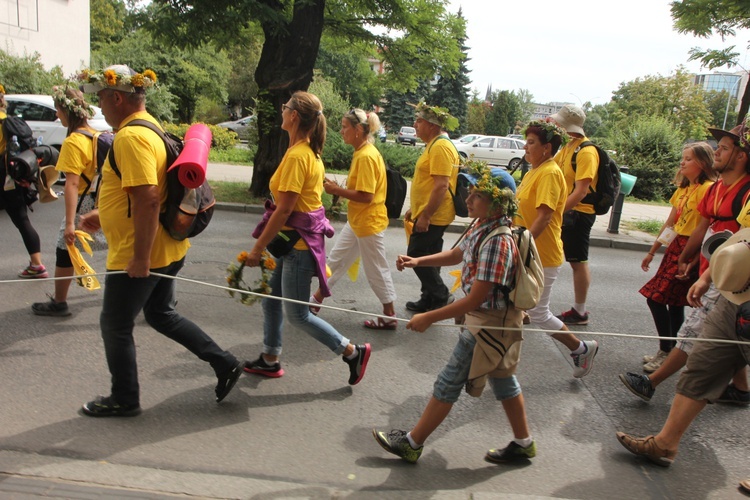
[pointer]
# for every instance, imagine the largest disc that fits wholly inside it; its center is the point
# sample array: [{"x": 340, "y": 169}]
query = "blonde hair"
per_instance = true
[
  {"x": 369, "y": 122},
  {"x": 704, "y": 153},
  {"x": 312, "y": 121}
]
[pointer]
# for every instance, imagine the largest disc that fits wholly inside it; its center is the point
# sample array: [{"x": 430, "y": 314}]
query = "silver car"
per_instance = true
[{"x": 495, "y": 150}]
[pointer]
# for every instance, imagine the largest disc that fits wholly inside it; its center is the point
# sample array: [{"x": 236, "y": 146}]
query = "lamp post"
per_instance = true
[{"x": 726, "y": 111}]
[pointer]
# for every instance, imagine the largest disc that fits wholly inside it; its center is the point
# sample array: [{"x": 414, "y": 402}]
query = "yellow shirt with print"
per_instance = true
[
  {"x": 686, "y": 201},
  {"x": 439, "y": 158},
  {"x": 367, "y": 174},
  {"x": 142, "y": 160},
  {"x": 544, "y": 185},
  {"x": 77, "y": 157},
  {"x": 587, "y": 167},
  {"x": 301, "y": 171}
]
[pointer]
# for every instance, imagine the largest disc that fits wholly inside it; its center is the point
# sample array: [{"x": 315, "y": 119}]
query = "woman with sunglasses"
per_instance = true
[{"x": 367, "y": 218}]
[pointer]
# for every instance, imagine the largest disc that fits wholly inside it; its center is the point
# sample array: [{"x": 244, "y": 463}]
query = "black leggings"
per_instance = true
[
  {"x": 668, "y": 320},
  {"x": 15, "y": 205}
]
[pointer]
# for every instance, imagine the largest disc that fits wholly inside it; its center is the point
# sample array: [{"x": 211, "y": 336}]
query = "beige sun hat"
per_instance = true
[
  {"x": 47, "y": 178},
  {"x": 570, "y": 118},
  {"x": 730, "y": 267}
]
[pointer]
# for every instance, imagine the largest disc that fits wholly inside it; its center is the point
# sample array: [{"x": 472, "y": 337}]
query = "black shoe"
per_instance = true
[
  {"x": 437, "y": 304},
  {"x": 358, "y": 365},
  {"x": 260, "y": 367},
  {"x": 227, "y": 381},
  {"x": 106, "y": 407},
  {"x": 511, "y": 453},
  {"x": 420, "y": 306},
  {"x": 50, "y": 308},
  {"x": 734, "y": 396}
]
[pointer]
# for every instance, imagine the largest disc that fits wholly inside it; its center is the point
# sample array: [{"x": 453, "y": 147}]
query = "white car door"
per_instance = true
[
  {"x": 505, "y": 151},
  {"x": 42, "y": 121},
  {"x": 482, "y": 149}
]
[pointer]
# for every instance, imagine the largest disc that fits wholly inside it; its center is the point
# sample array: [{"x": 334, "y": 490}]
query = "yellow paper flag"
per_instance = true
[
  {"x": 80, "y": 266},
  {"x": 456, "y": 274},
  {"x": 353, "y": 271}
]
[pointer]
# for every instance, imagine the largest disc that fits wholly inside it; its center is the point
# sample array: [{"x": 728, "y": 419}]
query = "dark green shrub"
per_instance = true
[
  {"x": 337, "y": 155},
  {"x": 222, "y": 138},
  {"x": 400, "y": 158}
]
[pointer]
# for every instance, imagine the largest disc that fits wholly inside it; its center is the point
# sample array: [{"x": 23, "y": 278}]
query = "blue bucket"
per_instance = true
[{"x": 628, "y": 181}]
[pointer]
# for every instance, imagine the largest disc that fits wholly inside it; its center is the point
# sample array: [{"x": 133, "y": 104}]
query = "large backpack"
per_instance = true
[
  {"x": 15, "y": 125},
  {"x": 101, "y": 143},
  {"x": 187, "y": 211},
  {"x": 529, "y": 276},
  {"x": 738, "y": 203},
  {"x": 607, "y": 184},
  {"x": 395, "y": 192}
]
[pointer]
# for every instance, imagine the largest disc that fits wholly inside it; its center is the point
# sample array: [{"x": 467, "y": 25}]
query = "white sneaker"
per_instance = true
[
  {"x": 583, "y": 363},
  {"x": 649, "y": 357},
  {"x": 655, "y": 363}
]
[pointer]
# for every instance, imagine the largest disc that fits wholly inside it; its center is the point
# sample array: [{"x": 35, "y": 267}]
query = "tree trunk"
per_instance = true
[
  {"x": 286, "y": 66},
  {"x": 744, "y": 105}
]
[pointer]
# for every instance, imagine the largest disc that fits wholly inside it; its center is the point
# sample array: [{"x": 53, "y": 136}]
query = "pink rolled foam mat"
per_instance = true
[{"x": 193, "y": 161}]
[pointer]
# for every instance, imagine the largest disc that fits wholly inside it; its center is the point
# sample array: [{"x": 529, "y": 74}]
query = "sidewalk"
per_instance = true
[{"x": 600, "y": 236}]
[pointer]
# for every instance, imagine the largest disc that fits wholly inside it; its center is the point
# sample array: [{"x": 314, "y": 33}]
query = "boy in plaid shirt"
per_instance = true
[{"x": 480, "y": 354}]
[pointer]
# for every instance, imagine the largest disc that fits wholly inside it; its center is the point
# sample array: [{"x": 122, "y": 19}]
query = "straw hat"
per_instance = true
[
  {"x": 47, "y": 178},
  {"x": 730, "y": 267}
]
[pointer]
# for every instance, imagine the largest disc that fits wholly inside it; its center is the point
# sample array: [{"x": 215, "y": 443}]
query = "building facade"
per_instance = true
[
  {"x": 732, "y": 83},
  {"x": 57, "y": 29}
]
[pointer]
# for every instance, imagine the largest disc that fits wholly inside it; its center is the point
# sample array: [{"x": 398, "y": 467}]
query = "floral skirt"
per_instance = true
[{"x": 664, "y": 288}]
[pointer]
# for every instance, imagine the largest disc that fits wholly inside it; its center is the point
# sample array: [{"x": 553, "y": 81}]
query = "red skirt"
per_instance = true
[{"x": 664, "y": 288}]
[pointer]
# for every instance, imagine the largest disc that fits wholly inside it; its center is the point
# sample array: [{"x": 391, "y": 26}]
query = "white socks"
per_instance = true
[{"x": 524, "y": 443}]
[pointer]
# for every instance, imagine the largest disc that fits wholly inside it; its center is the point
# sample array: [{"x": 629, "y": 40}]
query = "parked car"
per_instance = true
[
  {"x": 407, "y": 135},
  {"x": 501, "y": 151},
  {"x": 39, "y": 112},
  {"x": 239, "y": 127},
  {"x": 516, "y": 136},
  {"x": 465, "y": 139},
  {"x": 382, "y": 134}
]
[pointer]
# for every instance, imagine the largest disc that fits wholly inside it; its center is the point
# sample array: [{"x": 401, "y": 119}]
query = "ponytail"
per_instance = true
[{"x": 312, "y": 120}]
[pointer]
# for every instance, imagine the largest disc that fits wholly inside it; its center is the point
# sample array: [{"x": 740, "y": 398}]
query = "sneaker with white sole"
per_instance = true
[
  {"x": 573, "y": 317},
  {"x": 584, "y": 362},
  {"x": 655, "y": 363},
  {"x": 640, "y": 385}
]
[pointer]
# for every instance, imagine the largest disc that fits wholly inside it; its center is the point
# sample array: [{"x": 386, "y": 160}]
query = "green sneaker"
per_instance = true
[
  {"x": 512, "y": 453},
  {"x": 397, "y": 443}
]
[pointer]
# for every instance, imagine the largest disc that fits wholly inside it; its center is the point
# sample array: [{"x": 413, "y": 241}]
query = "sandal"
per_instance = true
[
  {"x": 381, "y": 324},
  {"x": 314, "y": 310}
]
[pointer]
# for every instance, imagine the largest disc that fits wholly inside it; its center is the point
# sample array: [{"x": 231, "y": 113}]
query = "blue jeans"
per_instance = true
[
  {"x": 124, "y": 298},
  {"x": 453, "y": 377},
  {"x": 291, "y": 280}
]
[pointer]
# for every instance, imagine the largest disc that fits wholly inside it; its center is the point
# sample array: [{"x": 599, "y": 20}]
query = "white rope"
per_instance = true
[{"x": 390, "y": 318}]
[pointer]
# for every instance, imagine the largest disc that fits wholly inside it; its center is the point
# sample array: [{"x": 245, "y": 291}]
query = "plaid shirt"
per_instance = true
[{"x": 495, "y": 264}]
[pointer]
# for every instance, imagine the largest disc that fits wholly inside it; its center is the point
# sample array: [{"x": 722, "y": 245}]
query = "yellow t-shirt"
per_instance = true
[
  {"x": 301, "y": 171},
  {"x": 544, "y": 185},
  {"x": 686, "y": 201},
  {"x": 587, "y": 167},
  {"x": 3, "y": 142},
  {"x": 367, "y": 174},
  {"x": 142, "y": 160},
  {"x": 439, "y": 158},
  {"x": 77, "y": 157},
  {"x": 744, "y": 218}
]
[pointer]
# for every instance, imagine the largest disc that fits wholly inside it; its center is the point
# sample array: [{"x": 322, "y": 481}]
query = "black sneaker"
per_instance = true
[
  {"x": 50, "y": 308},
  {"x": 437, "y": 304},
  {"x": 638, "y": 384},
  {"x": 734, "y": 396},
  {"x": 514, "y": 452},
  {"x": 106, "y": 407},
  {"x": 420, "y": 306},
  {"x": 358, "y": 365},
  {"x": 227, "y": 381},
  {"x": 260, "y": 367}
]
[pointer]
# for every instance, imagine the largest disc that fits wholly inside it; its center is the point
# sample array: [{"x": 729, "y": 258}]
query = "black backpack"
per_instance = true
[
  {"x": 395, "y": 192},
  {"x": 738, "y": 203},
  {"x": 102, "y": 143},
  {"x": 187, "y": 211},
  {"x": 607, "y": 184},
  {"x": 15, "y": 125}
]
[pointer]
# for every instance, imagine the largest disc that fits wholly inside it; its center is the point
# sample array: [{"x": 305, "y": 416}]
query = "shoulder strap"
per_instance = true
[
  {"x": 498, "y": 230},
  {"x": 140, "y": 123},
  {"x": 94, "y": 137},
  {"x": 740, "y": 199},
  {"x": 441, "y": 136},
  {"x": 582, "y": 145}
]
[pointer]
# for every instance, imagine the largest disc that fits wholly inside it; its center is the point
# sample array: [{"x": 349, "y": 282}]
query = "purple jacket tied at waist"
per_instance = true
[{"x": 312, "y": 227}]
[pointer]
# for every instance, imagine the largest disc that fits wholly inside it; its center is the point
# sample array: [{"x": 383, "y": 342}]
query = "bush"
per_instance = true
[
  {"x": 399, "y": 157},
  {"x": 209, "y": 111},
  {"x": 651, "y": 148},
  {"x": 337, "y": 155},
  {"x": 222, "y": 138}
]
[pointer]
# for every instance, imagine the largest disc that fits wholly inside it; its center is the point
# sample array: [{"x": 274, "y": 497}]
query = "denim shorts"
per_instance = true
[{"x": 453, "y": 377}]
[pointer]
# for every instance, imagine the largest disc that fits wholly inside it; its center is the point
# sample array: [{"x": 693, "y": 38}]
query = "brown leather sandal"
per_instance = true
[
  {"x": 648, "y": 448},
  {"x": 381, "y": 324}
]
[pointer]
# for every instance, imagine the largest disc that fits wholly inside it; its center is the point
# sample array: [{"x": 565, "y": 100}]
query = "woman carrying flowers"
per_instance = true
[
  {"x": 364, "y": 232},
  {"x": 78, "y": 161},
  {"x": 541, "y": 200},
  {"x": 294, "y": 228}
]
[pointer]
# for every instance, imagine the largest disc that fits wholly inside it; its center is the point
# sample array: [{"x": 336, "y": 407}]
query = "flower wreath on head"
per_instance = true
[
  {"x": 550, "y": 129},
  {"x": 486, "y": 183},
  {"x": 112, "y": 78},
  {"x": 80, "y": 109},
  {"x": 447, "y": 120},
  {"x": 261, "y": 286}
]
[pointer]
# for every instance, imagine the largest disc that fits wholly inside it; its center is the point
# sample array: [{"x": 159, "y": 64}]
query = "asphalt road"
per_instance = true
[{"x": 307, "y": 434}]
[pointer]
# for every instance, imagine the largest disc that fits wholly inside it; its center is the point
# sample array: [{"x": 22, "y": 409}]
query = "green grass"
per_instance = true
[
  {"x": 238, "y": 192},
  {"x": 650, "y": 226},
  {"x": 235, "y": 156}
]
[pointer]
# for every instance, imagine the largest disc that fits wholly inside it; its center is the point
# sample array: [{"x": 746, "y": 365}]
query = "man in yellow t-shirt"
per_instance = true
[
  {"x": 578, "y": 217},
  {"x": 129, "y": 205},
  {"x": 431, "y": 202}
]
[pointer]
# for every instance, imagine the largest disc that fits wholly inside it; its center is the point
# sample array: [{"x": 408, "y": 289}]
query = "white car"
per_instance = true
[
  {"x": 501, "y": 151},
  {"x": 39, "y": 112},
  {"x": 465, "y": 139}
]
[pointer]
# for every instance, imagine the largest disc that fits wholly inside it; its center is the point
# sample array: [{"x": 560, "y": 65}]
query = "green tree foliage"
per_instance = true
[
  {"x": 505, "y": 112},
  {"x": 720, "y": 106},
  {"x": 721, "y": 17},
  {"x": 350, "y": 71},
  {"x": 415, "y": 35},
  {"x": 26, "y": 74},
  {"x": 651, "y": 147},
  {"x": 476, "y": 114},
  {"x": 675, "y": 98},
  {"x": 107, "y": 18},
  {"x": 597, "y": 122},
  {"x": 243, "y": 56},
  {"x": 397, "y": 112}
]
